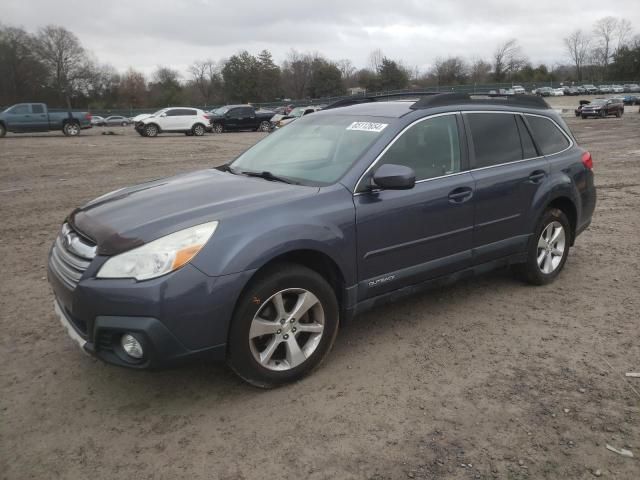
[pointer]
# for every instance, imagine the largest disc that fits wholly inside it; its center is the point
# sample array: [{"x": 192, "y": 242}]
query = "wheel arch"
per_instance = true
[
  {"x": 316, "y": 260},
  {"x": 568, "y": 207}
]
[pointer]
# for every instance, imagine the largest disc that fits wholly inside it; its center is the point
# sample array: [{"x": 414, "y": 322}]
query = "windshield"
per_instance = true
[
  {"x": 598, "y": 102},
  {"x": 315, "y": 150},
  {"x": 297, "y": 112},
  {"x": 221, "y": 110}
]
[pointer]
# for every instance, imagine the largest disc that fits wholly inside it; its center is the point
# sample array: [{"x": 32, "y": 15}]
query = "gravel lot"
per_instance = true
[{"x": 489, "y": 378}]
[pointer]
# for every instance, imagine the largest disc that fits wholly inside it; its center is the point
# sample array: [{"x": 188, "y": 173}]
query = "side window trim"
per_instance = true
[
  {"x": 463, "y": 163},
  {"x": 530, "y": 133}
]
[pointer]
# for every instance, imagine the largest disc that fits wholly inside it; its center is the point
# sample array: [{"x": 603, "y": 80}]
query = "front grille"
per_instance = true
[{"x": 70, "y": 256}]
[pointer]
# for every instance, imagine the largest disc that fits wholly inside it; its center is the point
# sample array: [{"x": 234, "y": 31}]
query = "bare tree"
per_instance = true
[
  {"x": 507, "y": 59},
  {"x": 449, "y": 70},
  {"x": 623, "y": 32},
  {"x": 479, "y": 71},
  {"x": 375, "y": 60},
  {"x": 577, "y": 45},
  {"x": 206, "y": 78},
  {"x": 604, "y": 30},
  {"x": 296, "y": 73},
  {"x": 66, "y": 62}
]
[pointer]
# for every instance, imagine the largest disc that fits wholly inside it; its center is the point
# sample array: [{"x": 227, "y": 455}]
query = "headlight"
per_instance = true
[{"x": 161, "y": 256}]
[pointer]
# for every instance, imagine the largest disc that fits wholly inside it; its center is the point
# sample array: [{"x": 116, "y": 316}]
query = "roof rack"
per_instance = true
[
  {"x": 445, "y": 99},
  {"x": 345, "y": 102}
]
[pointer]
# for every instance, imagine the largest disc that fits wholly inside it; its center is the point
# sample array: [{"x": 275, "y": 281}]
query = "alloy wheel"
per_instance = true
[
  {"x": 286, "y": 329},
  {"x": 551, "y": 247}
]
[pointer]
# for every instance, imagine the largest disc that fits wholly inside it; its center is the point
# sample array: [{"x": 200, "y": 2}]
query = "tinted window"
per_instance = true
[
  {"x": 186, "y": 112},
  {"x": 173, "y": 112},
  {"x": 528, "y": 149},
  {"x": 431, "y": 148},
  {"x": 548, "y": 137},
  {"x": 235, "y": 113},
  {"x": 37, "y": 108},
  {"x": 495, "y": 138},
  {"x": 246, "y": 111},
  {"x": 20, "y": 109}
]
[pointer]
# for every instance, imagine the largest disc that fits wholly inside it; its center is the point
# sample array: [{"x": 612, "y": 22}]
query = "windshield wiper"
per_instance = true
[
  {"x": 225, "y": 167},
  {"x": 267, "y": 176}
]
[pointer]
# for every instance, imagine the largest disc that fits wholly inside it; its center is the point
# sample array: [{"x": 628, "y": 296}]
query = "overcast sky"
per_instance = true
[{"x": 144, "y": 34}]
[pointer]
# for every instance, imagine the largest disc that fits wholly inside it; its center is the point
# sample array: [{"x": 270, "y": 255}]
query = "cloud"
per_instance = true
[{"x": 149, "y": 33}]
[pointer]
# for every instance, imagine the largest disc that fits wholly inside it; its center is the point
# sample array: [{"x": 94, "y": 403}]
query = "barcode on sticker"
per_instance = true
[{"x": 367, "y": 126}]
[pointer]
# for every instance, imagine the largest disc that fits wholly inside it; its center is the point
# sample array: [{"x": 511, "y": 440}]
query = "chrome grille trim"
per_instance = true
[{"x": 70, "y": 256}]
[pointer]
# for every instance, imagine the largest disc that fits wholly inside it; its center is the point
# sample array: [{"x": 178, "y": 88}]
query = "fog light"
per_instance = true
[{"x": 131, "y": 346}]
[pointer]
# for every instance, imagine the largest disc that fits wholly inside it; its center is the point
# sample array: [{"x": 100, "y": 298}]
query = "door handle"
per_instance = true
[
  {"x": 460, "y": 195},
  {"x": 537, "y": 175}
]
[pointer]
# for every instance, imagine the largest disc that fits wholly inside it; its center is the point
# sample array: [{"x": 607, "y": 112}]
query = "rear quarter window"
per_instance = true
[{"x": 547, "y": 135}]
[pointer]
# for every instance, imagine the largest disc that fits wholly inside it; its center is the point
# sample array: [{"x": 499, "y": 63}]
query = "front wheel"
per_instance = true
[
  {"x": 283, "y": 327},
  {"x": 150, "y": 130},
  {"x": 264, "y": 127},
  {"x": 217, "y": 128},
  {"x": 3, "y": 131},
  {"x": 548, "y": 248},
  {"x": 71, "y": 129}
]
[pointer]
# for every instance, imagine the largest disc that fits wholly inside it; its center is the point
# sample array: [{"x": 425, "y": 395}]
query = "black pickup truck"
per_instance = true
[
  {"x": 36, "y": 117},
  {"x": 240, "y": 117}
]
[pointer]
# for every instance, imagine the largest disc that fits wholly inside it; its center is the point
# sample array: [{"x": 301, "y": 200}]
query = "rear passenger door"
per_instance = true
[{"x": 509, "y": 173}]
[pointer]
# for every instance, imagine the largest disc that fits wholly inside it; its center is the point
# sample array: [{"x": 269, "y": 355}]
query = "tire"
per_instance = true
[
  {"x": 264, "y": 127},
  {"x": 217, "y": 128},
  {"x": 584, "y": 117},
  {"x": 124, "y": 124},
  {"x": 602, "y": 114},
  {"x": 71, "y": 129},
  {"x": 150, "y": 130},
  {"x": 198, "y": 130},
  {"x": 286, "y": 355},
  {"x": 3, "y": 130},
  {"x": 541, "y": 268}
]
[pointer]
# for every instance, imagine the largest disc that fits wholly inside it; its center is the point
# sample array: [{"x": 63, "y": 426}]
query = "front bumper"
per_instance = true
[
  {"x": 590, "y": 113},
  {"x": 181, "y": 316}
]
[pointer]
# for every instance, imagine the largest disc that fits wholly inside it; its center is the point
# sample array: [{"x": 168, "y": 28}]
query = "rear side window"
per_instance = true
[
  {"x": 431, "y": 148},
  {"x": 547, "y": 135},
  {"x": 37, "y": 108},
  {"x": 496, "y": 139}
]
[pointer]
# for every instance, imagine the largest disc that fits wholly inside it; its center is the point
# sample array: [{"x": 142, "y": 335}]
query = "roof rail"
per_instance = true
[
  {"x": 345, "y": 102},
  {"x": 445, "y": 99}
]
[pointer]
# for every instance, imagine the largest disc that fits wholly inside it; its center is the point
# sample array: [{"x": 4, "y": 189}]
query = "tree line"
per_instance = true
[{"x": 52, "y": 66}]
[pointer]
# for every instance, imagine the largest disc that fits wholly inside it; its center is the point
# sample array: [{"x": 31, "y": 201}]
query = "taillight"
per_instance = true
[
  {"x": 587, "y": 160},
  {"x": 88, "y": 116},
  {"x": 206, "y": 116}
]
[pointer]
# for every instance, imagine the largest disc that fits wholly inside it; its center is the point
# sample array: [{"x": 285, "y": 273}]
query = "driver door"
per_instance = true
[{"x": 405, "y": 237}]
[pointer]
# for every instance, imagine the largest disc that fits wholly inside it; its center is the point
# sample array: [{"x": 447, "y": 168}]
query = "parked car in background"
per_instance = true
[
  {"x": 617, "y": 88},
  {"x": 187, "y": 120},
  {"x": 604, "y": 89},
  {"x": 631, "y": 99},
  {"x": 578, "y": 110},
  {"x": 240, "y": 117},
  {"x": 36, "y": 117},
  {"x": 296, "y": 113},
  {"x": 603, "y": 107},
  {"x": 557, "y": 92},
  {"x": 632, "y": 87},
  {"x": 590, "y": 89},
  {"x": 97, "y": 120},
  {"x": 544, "y": 91},
  {"x": 581, "y": 89},
  {"x": 518, "y": 90},
  {"x": 570, "y": 90},
  {"x": 260, "y": 261},
  {"x": 116, "y": 120}
]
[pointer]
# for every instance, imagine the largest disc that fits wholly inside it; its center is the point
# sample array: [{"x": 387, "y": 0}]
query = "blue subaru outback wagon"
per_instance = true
[{"x": 259, "y": 261}]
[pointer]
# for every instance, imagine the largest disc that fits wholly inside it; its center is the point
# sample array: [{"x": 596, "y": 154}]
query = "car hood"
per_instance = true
[{"x": 133, "y": 216}]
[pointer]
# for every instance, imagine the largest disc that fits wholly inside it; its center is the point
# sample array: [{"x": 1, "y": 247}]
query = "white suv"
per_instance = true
[{"x": 190, "y": 121}]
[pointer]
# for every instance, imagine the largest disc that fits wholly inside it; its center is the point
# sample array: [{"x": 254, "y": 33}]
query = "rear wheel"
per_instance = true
[
  {"x": 71, "y": 129},
  {"x": 283, "y": 327},
  {"x": 198, "y": 130},
  {"x": 217, "y": 128},
  {"x": 150, "y": 130},
  {"x": 548, "y": 248},
  {"x": 264, "y": 127}
]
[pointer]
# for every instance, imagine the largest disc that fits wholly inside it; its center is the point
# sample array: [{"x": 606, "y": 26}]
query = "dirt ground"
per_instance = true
[{"x": 487, "y": 379}]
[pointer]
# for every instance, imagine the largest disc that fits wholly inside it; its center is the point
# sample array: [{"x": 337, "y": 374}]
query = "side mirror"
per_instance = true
[
  {"x": 394, "y": 177},
  {"x": 163, "y": 115}
]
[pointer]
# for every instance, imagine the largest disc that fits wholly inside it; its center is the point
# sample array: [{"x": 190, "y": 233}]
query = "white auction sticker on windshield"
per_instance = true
[{"x": 367, "y": 126}]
